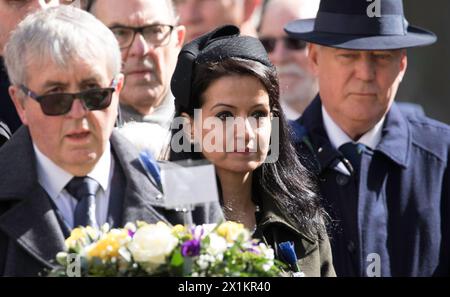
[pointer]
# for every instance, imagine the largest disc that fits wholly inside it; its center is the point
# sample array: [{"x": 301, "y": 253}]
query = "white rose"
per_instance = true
[
  {"x": 217, "y": 245},
  {"x": 151, "y": 245}
]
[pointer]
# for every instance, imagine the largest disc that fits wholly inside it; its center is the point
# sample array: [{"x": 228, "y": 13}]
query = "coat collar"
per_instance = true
[
  {"x": 31, "y": 222},
  {"x": 271, "y": 214},
  {"x": 395, "y": 140},
  {"x": 396, "y": 137},
  {"x": 312, "y": 120}
]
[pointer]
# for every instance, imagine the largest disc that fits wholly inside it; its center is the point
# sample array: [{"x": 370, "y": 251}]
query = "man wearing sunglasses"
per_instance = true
[
  {"x": 65, "y": 167},
  {"x": 298, "y": 86}
]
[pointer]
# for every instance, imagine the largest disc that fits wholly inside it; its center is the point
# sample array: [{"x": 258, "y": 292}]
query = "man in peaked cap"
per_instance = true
[{"x": 384, "y": 173}]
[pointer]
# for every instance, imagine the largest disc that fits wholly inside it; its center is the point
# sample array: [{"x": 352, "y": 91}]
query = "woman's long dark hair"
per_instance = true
[{"x": 286, "y": 181}]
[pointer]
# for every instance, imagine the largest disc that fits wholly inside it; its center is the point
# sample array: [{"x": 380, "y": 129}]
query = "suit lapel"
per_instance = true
[
  {"x": 312, "y": 119},
  {"x": 141, "y": 195},
  {"x": 116, "y": 196}
]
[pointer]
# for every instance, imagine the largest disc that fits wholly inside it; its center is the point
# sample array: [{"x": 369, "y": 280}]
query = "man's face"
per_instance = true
[
  {"x": 202, "y": 16},
  {"x": 76, "y": 140},
  {"x": 357, "y": 87},
  {"x": 147, "y": 69},
  {"x": 13, "y": 11},
  {"x": 297, "y": 83}
]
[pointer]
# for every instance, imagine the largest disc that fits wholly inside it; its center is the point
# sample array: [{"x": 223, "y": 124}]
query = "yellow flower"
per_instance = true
[
  {"x": 231, "y": 231},
  {"x": 178, "y": 229},
  {"x": 77, "y": 236},
  {"x": 91, "y": 232},
  {"x": 161, "y": 224},
  {"x": 140, "y": 224},
  {"x": 108, "y": 246}
]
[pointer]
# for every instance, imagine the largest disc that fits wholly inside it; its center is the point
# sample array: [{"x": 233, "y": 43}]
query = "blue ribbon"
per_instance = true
[
  {"x": 150, "y": 164},
  {"x": 288, "y": 253}
]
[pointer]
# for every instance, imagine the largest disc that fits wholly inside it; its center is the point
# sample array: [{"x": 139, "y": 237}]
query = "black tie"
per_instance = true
[
  {"x": 353, "y": 152},
  {"x": 84, "y": 189}
]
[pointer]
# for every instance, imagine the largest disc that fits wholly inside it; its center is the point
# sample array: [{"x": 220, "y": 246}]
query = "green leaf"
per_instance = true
[{"x": 177, "y": 259}]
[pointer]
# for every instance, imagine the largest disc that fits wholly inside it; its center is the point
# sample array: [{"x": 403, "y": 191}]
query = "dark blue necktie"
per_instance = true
[
  {"x": 353, "y": 152},
  {"x": 84, "y": 189}
]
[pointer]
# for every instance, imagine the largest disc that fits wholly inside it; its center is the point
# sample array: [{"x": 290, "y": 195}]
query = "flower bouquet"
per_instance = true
[{"x": 143, "y": 249}]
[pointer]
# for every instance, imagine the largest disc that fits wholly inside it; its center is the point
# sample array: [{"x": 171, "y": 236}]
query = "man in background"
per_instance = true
[
  {"x": 202, "y": 16},
  {"x": 298, "y": 85},
  {"x": 150, "y": 39}
]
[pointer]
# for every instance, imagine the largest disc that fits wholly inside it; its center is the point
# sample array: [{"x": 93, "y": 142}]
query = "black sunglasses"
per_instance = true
[
  {"x": 61, "y": 103},
  {"x": 270, "y": 43}
]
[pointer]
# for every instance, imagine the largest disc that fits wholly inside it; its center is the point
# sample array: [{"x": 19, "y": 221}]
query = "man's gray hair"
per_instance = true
[{"x": 62, "y": 35}]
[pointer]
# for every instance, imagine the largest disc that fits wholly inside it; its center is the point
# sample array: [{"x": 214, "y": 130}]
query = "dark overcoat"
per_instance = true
[{"x": 392, "y": 219}]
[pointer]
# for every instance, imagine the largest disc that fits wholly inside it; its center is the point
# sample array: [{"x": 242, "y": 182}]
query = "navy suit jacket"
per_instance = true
[{"x": 395, "y": 214}]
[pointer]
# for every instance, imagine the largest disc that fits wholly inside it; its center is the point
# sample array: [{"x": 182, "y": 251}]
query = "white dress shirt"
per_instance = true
[
  {"x": 54, "y": 179},
  {"x": 338, "y": 137}
]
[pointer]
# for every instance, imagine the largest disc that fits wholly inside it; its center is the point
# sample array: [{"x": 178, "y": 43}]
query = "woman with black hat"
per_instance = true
[{"x": 227, "y": 76}]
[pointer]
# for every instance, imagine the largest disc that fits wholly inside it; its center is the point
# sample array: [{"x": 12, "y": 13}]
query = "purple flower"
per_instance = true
[
  {"x": 190, "y": 248},
  {"x": 197, "y": 232},
  {"x": 131, "y": 233},
  {"x": 253, "y": 250}
]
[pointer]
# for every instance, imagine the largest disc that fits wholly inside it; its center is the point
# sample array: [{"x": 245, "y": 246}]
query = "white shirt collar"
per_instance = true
[
  {"x": 338, "y": 137},
  {"x": 53, "y": 178}
]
